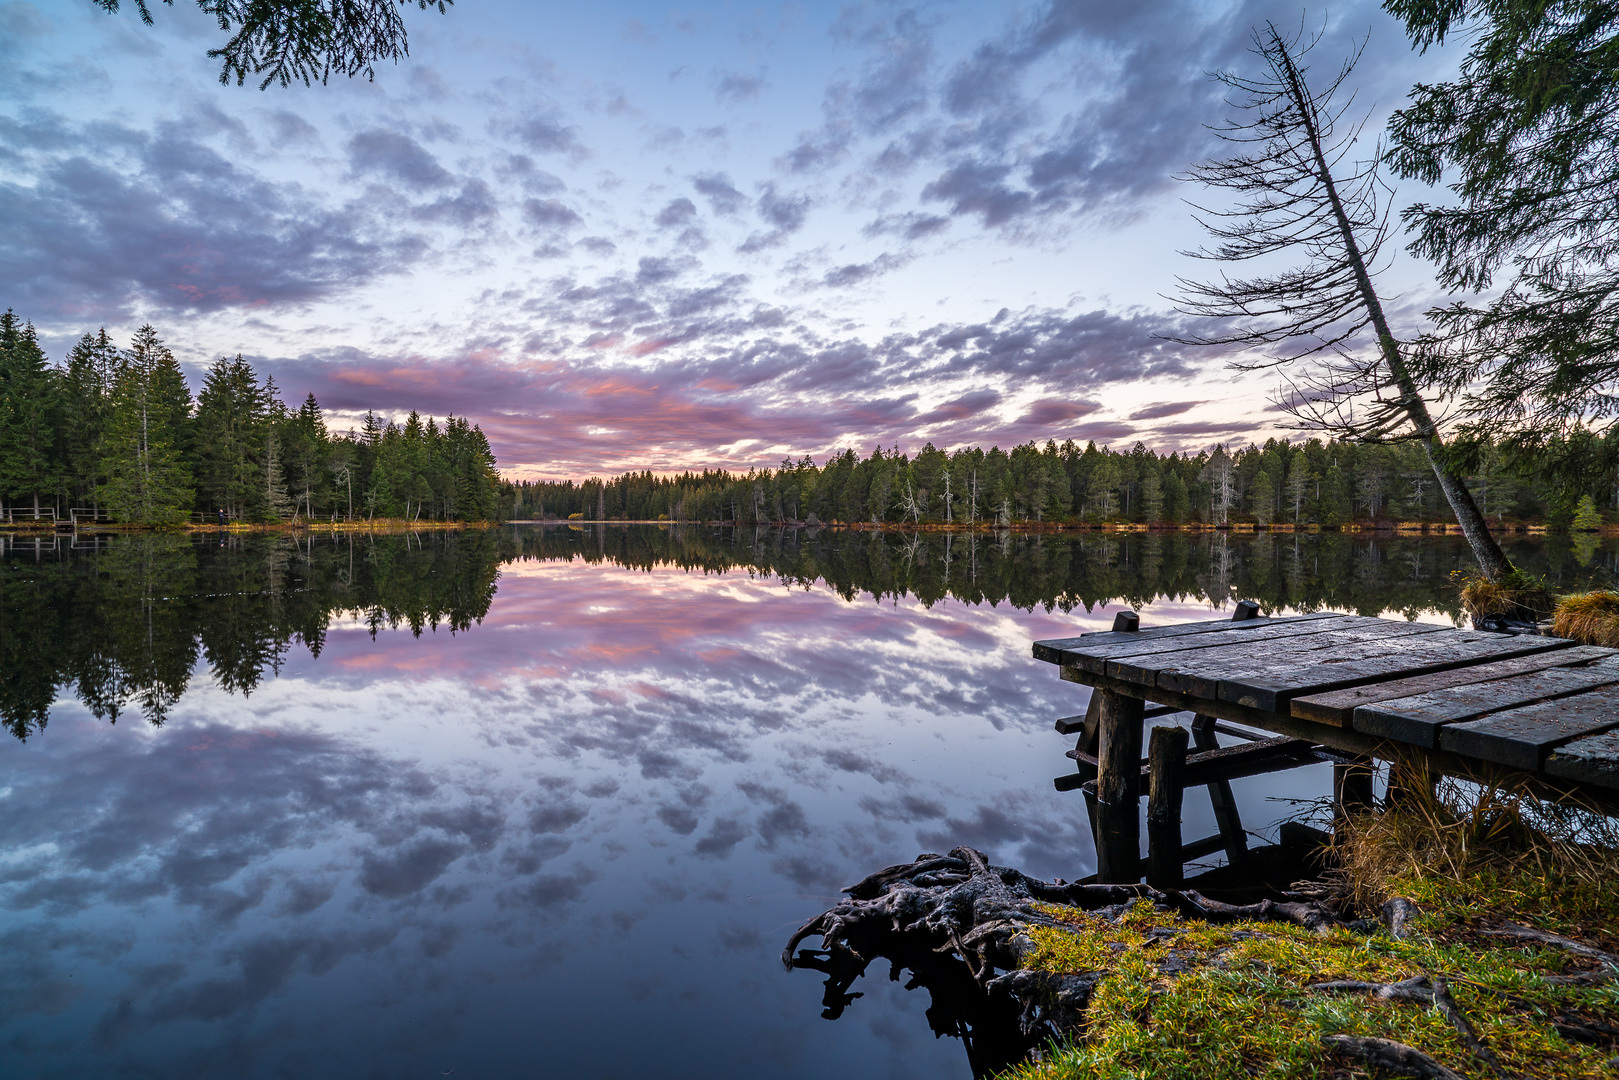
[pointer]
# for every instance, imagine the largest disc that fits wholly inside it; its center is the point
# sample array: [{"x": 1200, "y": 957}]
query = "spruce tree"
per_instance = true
[
  {"x": 146, "y": 481},
  {"x": 1587, "y": 518},
  {"x": 277, "y": 506},
  {"x": 1177, "y": 504},
  {"x": 92, "y": 368},
  {"x": 28, "y": 416}
]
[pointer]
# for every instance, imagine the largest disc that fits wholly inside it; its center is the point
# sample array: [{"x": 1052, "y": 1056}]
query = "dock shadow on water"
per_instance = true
[{"x": 464, "y": 801}]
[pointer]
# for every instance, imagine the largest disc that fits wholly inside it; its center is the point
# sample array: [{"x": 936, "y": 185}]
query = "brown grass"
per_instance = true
[
  {"x": 1516, "y": 595},
  {"x": 1468, "y": 833},
  {"x": 1591, "y": 618}
]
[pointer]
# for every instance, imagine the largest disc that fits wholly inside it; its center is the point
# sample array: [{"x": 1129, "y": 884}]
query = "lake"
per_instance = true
[{"x": 548, "y": 801}]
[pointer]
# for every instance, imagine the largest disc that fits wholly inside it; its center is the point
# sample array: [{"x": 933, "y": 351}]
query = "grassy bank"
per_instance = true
[{"x": 1495, "y": 882}]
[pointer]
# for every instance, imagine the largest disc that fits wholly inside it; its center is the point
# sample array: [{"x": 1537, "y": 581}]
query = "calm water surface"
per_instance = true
[{"x": 532, "y": 802}]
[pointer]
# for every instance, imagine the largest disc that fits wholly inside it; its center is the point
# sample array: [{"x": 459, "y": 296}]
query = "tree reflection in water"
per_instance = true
[{"x": 124, "y": 623}]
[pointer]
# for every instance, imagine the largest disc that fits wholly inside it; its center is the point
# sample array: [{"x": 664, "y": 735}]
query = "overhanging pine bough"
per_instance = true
[
  {"x": 303, "y": 40},
  {"x": 1291, "y": 199},
  {"x": 1527, "y": 138}
]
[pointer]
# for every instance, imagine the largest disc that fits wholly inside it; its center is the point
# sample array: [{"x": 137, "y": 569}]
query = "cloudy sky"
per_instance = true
[{"x": 631, "y": 235}]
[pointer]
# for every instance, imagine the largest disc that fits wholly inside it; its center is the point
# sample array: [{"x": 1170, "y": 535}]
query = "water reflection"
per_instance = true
[
  {"x": 125, "y": 622},
  {"x": 484, "y": 800}
]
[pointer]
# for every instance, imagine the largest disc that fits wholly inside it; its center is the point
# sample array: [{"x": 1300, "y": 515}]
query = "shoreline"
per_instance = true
[{"x": 1388, "y": 528}]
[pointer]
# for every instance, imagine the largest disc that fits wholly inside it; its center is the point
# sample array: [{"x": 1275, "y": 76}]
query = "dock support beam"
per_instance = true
[
  {"x": 1165, "y": 757},
  {"x": 1118, "y": 789}
]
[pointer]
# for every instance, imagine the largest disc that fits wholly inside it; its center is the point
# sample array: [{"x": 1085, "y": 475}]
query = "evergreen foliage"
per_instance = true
[
  {"x": 1299, "y": 483},
  {"x": 117, "y": 430},
  {"x": 1525, "y": 137},
  {"x": 28, "y": 414}
]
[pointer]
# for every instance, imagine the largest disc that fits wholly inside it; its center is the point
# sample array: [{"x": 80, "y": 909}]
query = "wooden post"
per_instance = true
[
  {"x": 1351, "y": 792},
  {"x": 1118, "y": 789},
  {"x": 1352, "y": 785},
  {"x": 1221, "y": 797},
  {"x": 1165, "y": 758}
]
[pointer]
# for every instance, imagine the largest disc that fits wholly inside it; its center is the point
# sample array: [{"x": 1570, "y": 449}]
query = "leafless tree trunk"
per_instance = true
[{"x": 1291, "y": 199}]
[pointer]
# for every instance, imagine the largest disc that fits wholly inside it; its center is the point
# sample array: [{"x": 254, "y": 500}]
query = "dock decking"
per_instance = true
[{"x": 1344, "y": 688}]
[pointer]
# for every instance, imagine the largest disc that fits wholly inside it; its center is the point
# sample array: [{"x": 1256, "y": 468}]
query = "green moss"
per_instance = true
[{"x": 1231, "y": 1001}]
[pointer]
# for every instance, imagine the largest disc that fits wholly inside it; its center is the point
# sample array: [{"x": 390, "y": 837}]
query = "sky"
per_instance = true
[{"x": 635, "y": 236}]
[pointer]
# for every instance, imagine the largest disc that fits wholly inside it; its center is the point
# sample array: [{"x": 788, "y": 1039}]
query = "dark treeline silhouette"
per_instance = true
[
  {"x": 126, "y": 624},
  {"x": 118, "y": 430},
  {"x": 1309, "y": 482}
]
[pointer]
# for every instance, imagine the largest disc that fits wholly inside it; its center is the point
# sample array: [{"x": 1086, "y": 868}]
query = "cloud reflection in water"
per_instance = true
[{"x": 569, "y": 837}]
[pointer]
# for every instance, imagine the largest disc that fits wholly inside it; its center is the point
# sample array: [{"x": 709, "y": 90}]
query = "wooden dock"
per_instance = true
[{"x": 1348, "y": 689}]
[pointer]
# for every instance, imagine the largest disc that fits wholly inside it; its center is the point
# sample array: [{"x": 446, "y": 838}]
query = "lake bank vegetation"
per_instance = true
[
  {"x": 1467, "y": 933},
  {"x": 117, "y": 432}
]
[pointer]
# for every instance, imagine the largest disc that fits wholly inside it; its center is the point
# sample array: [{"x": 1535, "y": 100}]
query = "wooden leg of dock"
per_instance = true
[
  {"x": 1352, "y": 786},
  {"x": 1166, "y": 755},
  {"x": 1221, "y": 797},
  {"x": 1118, "y": 789}
]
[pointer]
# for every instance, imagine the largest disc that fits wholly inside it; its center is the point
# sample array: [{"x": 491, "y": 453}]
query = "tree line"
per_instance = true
[
  {"x": 117, "y": 430},
  {"x": 1301, "y": 483}
]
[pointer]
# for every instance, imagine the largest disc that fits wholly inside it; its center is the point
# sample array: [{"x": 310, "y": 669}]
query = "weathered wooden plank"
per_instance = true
[
  {"x": 1254, "y": 759},
  {"x": 1199, "y": 674},
  {"x": 1050, "y": 650},
  {"x": 1523, "y": 738},
  {"x": 1152, "y": 633},
  {"x": 1237, "y": 634},
  {"x": 1337, "y": 707},
  {"x": 1417, "y": 719},
  {"x": 1350, "y": 741},
  {"x": 1216, "y": 763},
  {"x": 1271, "y": 691},
  {"x": 1591, "y": 760}
]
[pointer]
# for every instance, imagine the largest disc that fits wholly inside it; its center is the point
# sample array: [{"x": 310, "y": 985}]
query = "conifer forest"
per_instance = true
[
  {"x": 1309, "y": 482},
  {"x": 117, "y": 431}
]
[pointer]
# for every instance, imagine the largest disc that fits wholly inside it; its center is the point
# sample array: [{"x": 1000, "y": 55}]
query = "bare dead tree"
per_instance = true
[{"x": 1298, "y": 192}]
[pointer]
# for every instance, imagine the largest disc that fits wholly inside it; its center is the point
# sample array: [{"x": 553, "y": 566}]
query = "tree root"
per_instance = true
[
  {"x": 958, "y": 906},
  {"x": 1529, "y": 933},
  {"x": 1428, "y": 992},
  {"x": 1387, "y": 1054}
]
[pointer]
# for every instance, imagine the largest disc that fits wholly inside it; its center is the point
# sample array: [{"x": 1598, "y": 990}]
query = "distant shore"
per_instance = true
[{"x": 1404, "y": 528}]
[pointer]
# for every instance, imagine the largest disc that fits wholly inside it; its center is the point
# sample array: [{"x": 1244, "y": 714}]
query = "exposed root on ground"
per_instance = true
[
  {"x": 1396, "y": 1057},
  {"x": 959, "y": 906}
]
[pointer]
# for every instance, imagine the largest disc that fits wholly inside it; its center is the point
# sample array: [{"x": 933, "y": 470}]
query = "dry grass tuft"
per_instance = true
[
  {"x": 1591, "y": 618},
  {"x": 1516, "y": 595},
  {"x": 1458, "y": 832}
]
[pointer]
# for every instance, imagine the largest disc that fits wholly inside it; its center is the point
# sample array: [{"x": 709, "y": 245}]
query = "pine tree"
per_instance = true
[
  {"x": 1152, "y": 495},
  {"x": 1262, "y": 497},
  {"x": 276, "y": 504},
  {"x": 1298, "y": 486},
  {"x": 28, "y": 415},
  {"x": 1335, "y": 506},
  {"x": 1587, "y": 518},
  {"x": 146, "y": 481},
  {"x": 92, "y": 367},
  {"x": 1222, "y": 480},
  {"x": 1177, "y": 503}
]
